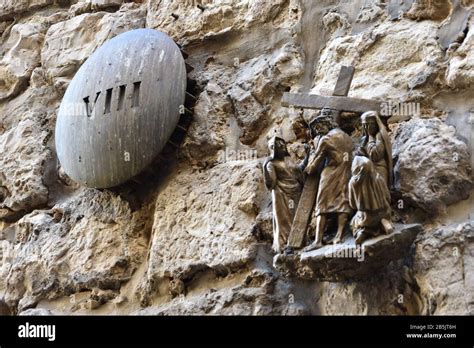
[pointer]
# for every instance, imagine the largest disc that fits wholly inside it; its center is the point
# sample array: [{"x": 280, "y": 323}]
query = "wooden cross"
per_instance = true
[{"x": 339, "y": 101}]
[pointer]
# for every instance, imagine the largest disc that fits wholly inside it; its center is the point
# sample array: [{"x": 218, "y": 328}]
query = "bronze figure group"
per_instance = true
[{"x": 353, "y": 183}]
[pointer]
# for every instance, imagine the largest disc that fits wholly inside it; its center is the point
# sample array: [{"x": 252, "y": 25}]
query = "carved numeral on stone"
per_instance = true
[
  {"x": 89, "y": 107},
  {"x": 121, "y": 97},
  {"x": 136, "y": 94},
  {"x": 108, "y": 101},
  {"x": 86, "y": 101}
]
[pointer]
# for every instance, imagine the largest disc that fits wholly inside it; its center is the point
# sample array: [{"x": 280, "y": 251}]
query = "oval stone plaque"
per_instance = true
[{"x": 121, "y": 108}]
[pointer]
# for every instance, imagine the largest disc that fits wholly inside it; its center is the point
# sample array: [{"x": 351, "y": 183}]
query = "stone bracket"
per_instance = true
[{"x": 346, "y": 261}]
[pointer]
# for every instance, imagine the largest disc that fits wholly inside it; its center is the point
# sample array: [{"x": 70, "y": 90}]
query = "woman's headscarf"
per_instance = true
[{"x": 386, "y": 141}]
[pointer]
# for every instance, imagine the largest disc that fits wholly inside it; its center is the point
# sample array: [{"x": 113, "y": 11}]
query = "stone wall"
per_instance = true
[{"x": 195, "y": 238}]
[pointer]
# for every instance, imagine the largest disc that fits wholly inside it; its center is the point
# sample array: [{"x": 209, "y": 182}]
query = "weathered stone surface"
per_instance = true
[
  {"x": 104, "y": 4},
  {"x": 257, "y": 292},
  {"x": 21, "y": 50},
  {"x": 90, "y": 241},
  {"x": 4, "y": 309},
  {"x": 68, "y": 44},
  {"x": 426, "y": 9},
  {"x": 251, "y": 115},
  {"x": 452, "y": 31},
  {"x": 253, "y": 91},
  {"x": 208, "y": 226},
  {"x": 10, "y": 8},
  {"x": 432, "y": 166},
  {"x": 205, "y": 136},
  {"x": 444, "y": 269},
  {"x": 460, "y": 72},
  {"x": 391, "y": 292},
  {"x": 346, "y": 261},
  {"x": 22, "y": 55},
  {"x": 24, "y": 138},
  {"x": 397, "y": 8},
  {"x": 80, "y": 7},
  {"x": 37, "y": 311},
  {"x": 234, "y": 301},
  {"x": 409, "y": 50},
  {"x": 23, "y": 190},
  {"x": 192, "y": 23},
  {"x": 421, "y": 9},
  {"x": 237, "y": 105},
  {"x": 245, "y": 54}
]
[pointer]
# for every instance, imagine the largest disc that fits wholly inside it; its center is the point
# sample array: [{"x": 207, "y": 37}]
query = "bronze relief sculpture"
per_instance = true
[
  {"x": 285, "y": 180},
  {"x": 344, "y": 184},
  {"x": 351, "y": 186},
  {"x": 358, "y": 186}
]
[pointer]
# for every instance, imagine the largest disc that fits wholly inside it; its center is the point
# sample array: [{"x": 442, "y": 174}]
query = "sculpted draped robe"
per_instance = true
[
  {"x": 368, "y": 190},
  {"x": 334, "y": 151},
  {"x": 369, "y": 195},
  {"x": 370, "y": 182},
  {"x": 285, "y": 178}
]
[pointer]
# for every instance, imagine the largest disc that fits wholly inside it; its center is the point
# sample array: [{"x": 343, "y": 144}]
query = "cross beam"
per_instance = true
[
  {"x": 314, "y": 101},
  {"x": 340, "y": 102}
]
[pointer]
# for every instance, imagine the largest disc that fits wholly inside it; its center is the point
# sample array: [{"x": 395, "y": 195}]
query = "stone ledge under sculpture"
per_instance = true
[{"x": 348, "y": 261}]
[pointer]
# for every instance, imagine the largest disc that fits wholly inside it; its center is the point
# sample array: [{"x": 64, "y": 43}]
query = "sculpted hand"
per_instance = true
[{"x": 361, "y": 152}]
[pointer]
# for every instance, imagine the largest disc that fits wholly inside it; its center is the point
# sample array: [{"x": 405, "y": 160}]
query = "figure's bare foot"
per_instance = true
[
  {"x": 361, "y": 237},
  {"x": 313, "y": 246},
  {"x": 387, "y": 226},
  {"x": 338, "y": 239}
]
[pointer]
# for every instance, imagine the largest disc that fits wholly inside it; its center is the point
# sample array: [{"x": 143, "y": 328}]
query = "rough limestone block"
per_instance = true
[
  {"x": 10, "y": 8},
  {"x": 432, "y": 165},
  {"x": 103, "y": 4}
]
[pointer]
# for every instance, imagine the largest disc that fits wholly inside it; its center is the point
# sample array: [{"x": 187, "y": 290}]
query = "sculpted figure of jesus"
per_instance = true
[
  {"x": 333, "y": 154},
  {"x": 285, "y": 178}
]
